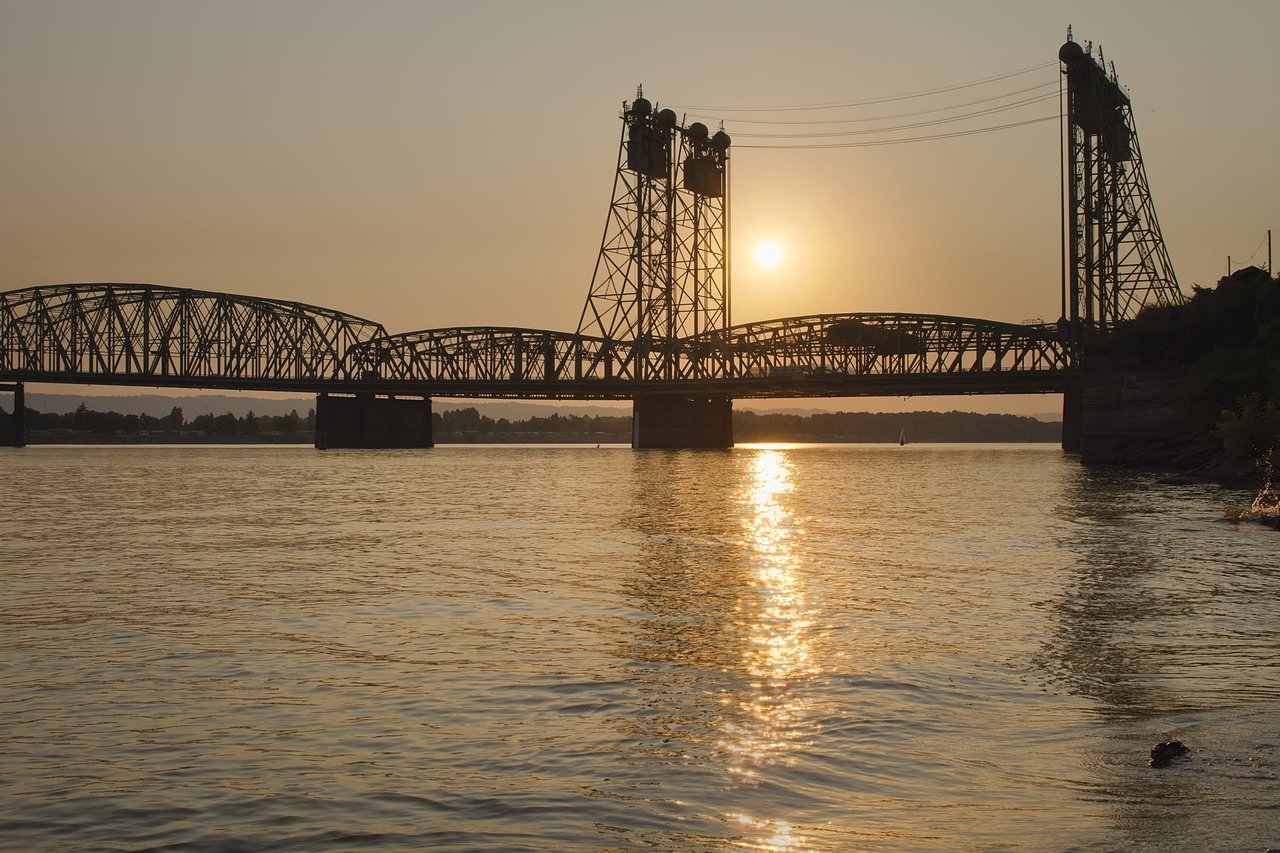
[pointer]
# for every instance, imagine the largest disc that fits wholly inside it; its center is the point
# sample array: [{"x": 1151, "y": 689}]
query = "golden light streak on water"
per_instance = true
[
  {"x": 777, "y": 838},
  {"x": 777, "y": 650}
]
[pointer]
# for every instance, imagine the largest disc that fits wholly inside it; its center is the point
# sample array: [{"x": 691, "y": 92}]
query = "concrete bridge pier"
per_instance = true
[
  {"x": 13, "y": 425},
  {"x": 372, "y": 421},
  {"x": 1072, "y": 418},
  {"x": 681, "y": 421}
]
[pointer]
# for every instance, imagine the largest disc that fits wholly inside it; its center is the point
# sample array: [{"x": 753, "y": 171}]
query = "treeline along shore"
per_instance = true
[
  {"x": 469, "y": 426},
  {"x": 1191, "y": 388}
]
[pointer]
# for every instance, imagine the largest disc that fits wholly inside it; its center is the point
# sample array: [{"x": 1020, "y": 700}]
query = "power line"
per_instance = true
[
  {"x": 881, "y": 100},
  {"x": 1052, "y": 83},
  {"x": 1052, "y": 96},
  {"x": 1255, "y": 251},
  {"x": 880, "y": 142}
]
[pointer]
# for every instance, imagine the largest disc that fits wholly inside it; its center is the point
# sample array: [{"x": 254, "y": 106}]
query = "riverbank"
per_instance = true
[
  {"x": 506, "y": 438},
  {"x": 469, "y": 426},
  {"x": 1189, "y": 389}
]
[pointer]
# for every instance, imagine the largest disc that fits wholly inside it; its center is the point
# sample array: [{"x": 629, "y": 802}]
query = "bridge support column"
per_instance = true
[
  {"x": 13, "y": 426},
  {"x": 369, "y": 421},
  {"x": 1072, "y": 419},
  {"x": 680, "y": 421}
]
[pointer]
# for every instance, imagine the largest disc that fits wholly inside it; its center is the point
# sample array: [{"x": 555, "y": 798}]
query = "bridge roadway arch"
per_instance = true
[{"x": 152, "y": 335}]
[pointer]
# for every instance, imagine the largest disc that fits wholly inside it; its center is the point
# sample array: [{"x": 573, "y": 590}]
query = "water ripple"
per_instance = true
[{"x": 785, "y": 648}]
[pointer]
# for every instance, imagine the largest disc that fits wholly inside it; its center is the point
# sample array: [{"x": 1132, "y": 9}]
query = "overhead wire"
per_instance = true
[
  {"x": 880, "y": 142},
  {"x": 1052, "y": 96},
  {"x": 831, "y": 105},
  {"x": 913, "y": 113},
  {"x": 1249, "y": 259},
  {"x": 817, "y": 136}
]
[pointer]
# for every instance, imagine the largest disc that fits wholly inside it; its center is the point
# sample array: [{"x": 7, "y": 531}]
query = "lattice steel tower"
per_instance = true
[
  {"x": 1116, "y": 259},
  {"x": 663, "y": 273}
]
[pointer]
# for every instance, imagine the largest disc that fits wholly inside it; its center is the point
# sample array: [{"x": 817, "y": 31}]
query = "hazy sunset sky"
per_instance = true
[{"x": 433, "y": 164}]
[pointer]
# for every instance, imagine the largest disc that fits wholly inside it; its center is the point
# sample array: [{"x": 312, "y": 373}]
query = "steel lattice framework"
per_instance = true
[
  {"x": 149, "y": 335},
  {"x": 142, "y": 334},
  {"x": 828, "y": 354},
  {"x": 853, "y": 346},
  {"x": 1117, "y": 261},
  {"x": 132, "y": 334},
  {"x": 662, "y": 273}
]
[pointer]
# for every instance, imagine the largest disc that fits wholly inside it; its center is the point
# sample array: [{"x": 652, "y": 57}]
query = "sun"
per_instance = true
[{"x": 767, "y": 254}]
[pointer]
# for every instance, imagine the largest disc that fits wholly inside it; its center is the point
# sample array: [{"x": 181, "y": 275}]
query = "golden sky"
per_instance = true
[{"x": 447, "y": 163}]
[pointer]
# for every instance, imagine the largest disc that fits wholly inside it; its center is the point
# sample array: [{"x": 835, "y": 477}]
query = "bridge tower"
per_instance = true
[
  {"x": 1116, "y": 261},
  {"x": 662, "y": 274}
]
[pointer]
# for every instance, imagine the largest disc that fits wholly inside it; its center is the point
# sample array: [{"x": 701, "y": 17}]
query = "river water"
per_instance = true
[{"x": 592, "y": 649}]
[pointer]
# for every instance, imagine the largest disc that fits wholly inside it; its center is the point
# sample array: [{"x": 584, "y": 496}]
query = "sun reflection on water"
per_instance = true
[
  {"x": 777, "y": 835},
  {"x": 774, "y": 622}
]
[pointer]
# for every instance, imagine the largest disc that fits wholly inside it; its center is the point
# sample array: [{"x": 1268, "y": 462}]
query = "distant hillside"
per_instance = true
[
  {"x": 748, "y": 406},
  {"x": 469, "y": 425},
  {"x": 159, "y": 405},
  {"x": 871, "y": 427},
  {"x": 240, "y": 405}
]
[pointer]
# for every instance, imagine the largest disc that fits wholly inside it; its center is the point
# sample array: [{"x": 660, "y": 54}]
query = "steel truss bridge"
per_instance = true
[
  {"x": 656, "y": 320},
  {"x": 138, "y": 334}
]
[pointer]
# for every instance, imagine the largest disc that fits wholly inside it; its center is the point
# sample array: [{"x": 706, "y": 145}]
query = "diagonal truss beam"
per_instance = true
[{"x": 149, "y": 334}]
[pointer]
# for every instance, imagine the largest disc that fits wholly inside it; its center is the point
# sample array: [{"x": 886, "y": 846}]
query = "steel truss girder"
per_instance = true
[
  {"x": 832, "y": 354},
  {"x": 154, "y": 335},
  {"x": 128, "y": 334},
  {"x": 892, "y": 344}
]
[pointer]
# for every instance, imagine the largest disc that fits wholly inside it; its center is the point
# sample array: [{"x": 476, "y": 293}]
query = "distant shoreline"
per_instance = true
[
  {"x": 470, "y": 426},
  {"x": 267, "y": 441}
]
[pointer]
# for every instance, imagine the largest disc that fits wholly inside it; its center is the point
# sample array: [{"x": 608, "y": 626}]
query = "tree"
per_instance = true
[
  {"x": 173, "y": 422},
  {"x": 289, "y": 424},
  {"x": 226, "y": 424},
  {"x": 1252, "y": 426}
]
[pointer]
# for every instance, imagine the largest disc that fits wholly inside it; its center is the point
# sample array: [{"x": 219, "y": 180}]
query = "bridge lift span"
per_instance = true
[{"x": 655, "y": 328}]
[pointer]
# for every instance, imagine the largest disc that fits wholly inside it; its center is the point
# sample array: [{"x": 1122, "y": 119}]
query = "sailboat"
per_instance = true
[{"x": 902, "y": 438}]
